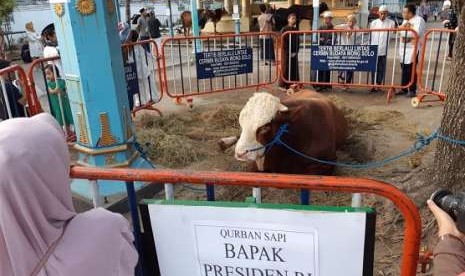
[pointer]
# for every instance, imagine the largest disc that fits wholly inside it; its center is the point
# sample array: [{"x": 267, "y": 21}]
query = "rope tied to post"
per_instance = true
[{"x": 422, "y": 141}]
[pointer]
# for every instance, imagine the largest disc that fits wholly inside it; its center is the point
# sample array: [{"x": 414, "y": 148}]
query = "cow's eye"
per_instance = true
[{"x": 264, "y": 129}]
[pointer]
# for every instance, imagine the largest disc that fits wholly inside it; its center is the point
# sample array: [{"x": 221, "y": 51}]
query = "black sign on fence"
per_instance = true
[
  {"x": 344, "y": 57},
  {"x": 132, "y": 82},
  {"x": 224, "y": 63}
]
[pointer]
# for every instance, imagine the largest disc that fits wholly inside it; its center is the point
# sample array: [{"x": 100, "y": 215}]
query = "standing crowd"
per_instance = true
[{"x": 408, "y": 48}]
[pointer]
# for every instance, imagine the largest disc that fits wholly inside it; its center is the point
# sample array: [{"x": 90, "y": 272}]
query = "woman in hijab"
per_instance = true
[{"x": 40, "y": 232}]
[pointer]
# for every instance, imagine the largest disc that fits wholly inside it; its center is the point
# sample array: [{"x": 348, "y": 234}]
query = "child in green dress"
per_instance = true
[{"x": 57, "y": 89}]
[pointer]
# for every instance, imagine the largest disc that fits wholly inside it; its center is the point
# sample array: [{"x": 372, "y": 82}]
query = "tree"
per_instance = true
[
  {"x": 448, "y": 161},
  {"x": 6, "y": 8}
]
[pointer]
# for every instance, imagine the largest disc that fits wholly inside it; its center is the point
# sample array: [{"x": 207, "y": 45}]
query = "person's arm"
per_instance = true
[
  {"x": 449, "y": 256},
  {"x": 269, "y": 18},
  {"x": 55, "y": 90},
  {"x": 449, "y": 253},
  {"x": 139, "y": 24}
]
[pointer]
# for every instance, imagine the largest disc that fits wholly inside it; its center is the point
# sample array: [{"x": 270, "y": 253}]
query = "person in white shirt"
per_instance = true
[
  {"x": 348, "y": 38},
  {"x": 381, "y": 39},
  {"x": 34, "y": 40},
  {"x": 407, "y": 46}
]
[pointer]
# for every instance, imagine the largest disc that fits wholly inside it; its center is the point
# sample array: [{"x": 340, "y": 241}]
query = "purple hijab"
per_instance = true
[{"x": 36, "y": 205}]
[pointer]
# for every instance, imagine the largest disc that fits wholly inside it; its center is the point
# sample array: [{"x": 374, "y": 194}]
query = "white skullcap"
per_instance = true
[
  {"x": 383, "y": 8},
  {"x": 327, "y": 14},
  {"x": 447, "y": 3}
]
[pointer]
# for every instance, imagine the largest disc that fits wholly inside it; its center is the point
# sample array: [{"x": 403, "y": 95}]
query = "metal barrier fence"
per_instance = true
[
  {"x": 310, "y": 61},
  {"x": 16, "y": 99},
  {"x": 412, "y": 226},
  {"x": 143, "y": 74},
  {"x": 46, "y": 81},
  {"x": 434, "y": 65},
  {"x": 141, "y": 66},
  {"x": 201, "y": 65}
]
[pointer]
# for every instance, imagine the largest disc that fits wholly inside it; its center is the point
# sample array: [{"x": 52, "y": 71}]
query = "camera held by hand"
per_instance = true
[{"x": 452, "y": 204}]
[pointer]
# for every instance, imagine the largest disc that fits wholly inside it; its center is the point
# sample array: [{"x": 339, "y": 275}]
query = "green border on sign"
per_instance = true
[{"x": 337, "y": 209}]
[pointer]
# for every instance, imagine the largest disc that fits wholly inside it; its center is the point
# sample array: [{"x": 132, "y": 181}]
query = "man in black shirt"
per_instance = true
[{"x": 154, "y": 26}]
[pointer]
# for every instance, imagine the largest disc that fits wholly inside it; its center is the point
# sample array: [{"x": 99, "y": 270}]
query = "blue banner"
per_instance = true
[
  {"x": 224, "y": 63},
  {"x": 344, "y": 57},
  {"x": 132, "y": 82}
]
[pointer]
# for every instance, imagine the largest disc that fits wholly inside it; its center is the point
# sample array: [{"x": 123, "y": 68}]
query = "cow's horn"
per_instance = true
[{"x": 282, "y": 108}]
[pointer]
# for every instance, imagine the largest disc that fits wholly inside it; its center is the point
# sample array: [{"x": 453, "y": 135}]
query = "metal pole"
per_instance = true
[
  {"x": 170, "y": 20},
  {"x": 257, "y": 194},
  {"x": 210, "y": 192},
  {"x": 132, "y": 201},
  {"x": 356, "y": 200},
  {"x": 195, "y": 24},
  {"x": 118, "y": 11},
  {"x": 96, "y": 199},
  {"x": 169, "y": 191},
  {"x": 316, "y": 18},
  {"x": 5, "y": 97},
  {"x": 304, "y": 197},
  {"x": 237, "y": 20}
]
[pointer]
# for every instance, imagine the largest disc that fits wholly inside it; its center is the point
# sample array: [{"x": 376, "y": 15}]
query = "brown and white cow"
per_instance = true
[{"x": 316, "y": 128}]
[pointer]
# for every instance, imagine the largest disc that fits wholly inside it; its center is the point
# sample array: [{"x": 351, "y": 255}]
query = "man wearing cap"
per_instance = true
[
  {"x": 325, "y": 39},
  {"x": 381, "y": 39}
]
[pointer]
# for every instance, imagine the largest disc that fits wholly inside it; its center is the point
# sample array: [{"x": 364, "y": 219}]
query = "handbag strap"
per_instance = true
[{"x": 43, "y": 261}]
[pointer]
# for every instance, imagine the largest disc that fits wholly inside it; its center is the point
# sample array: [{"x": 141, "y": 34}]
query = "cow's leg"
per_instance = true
[{"x": 227, "y": 142}]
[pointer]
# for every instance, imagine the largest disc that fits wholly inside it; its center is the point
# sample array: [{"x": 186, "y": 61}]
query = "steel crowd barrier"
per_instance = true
[
  {"x": 198, "y": 65},
  {"x": 141, "y": 67},
  {"x": 309, "y": 60},
  {"x": 16, "y": 99},
  {"x": 143, "y": 74},
  {"x": 435, "y": 64},
  {"x": 412, "y": 225},
  {"x": 46, "y": 81}
]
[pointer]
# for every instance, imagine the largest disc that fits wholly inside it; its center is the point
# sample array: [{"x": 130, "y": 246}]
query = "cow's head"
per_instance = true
[{"x": 255, "y": 119}]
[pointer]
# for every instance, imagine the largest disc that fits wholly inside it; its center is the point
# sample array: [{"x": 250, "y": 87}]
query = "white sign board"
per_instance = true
[
  {"x": 231, "y": 241},
  {"x": 255, "y": 248}
]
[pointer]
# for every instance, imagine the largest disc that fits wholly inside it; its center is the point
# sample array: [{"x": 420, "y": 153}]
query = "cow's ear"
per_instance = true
[{"x": 282, "y": 108}]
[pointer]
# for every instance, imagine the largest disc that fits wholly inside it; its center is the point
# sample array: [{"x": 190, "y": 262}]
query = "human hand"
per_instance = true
[
  {"x": 446, "y": 224},
  {"x": 293, "y": 54}
]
